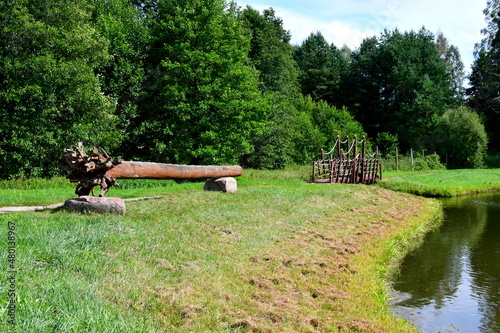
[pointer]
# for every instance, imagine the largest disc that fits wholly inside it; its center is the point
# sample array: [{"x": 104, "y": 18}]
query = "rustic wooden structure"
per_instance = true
[
  {"x": 97, "y": 168},
  {"x": 347, "y": 166}
]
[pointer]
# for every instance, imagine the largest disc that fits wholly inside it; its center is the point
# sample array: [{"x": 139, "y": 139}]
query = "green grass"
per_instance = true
[
  {"x": 39, "y": 191},
  {"x": 444, "y": 183},
  {"x": 280, "y": 255},
  {"x": 50, "y": 191}
]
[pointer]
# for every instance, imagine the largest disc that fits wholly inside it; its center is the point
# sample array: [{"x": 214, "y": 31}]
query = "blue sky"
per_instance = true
[{"x": 349, "y": 22}]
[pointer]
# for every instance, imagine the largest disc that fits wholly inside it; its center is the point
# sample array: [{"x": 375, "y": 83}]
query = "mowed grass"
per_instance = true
[
  {"x": 280, "y": 255},
  {"x": 42, "y": 192},
  {"x": 444, "y": 183}
]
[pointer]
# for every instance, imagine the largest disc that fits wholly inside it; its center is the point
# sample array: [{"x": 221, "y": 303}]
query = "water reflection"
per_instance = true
[{"x": 452, "y": 282}]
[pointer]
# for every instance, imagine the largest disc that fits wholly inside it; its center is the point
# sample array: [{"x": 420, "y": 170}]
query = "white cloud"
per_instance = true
[
  {"x": 301, "y": 25},
  {"x": 340, "y": 34}
]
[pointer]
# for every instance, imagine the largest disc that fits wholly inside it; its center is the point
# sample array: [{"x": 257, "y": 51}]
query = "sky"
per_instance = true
[{"x": 345, "y": 22}]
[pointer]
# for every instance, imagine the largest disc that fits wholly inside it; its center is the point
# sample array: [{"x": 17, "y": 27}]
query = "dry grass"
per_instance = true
[{"x": 313, "y": 262}]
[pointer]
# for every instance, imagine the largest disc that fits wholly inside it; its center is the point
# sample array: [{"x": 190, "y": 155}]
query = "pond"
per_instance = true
[{"x": 452, "y": 282}]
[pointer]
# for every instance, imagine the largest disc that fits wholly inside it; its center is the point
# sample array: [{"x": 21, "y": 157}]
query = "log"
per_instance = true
[
  {"x": 97, "y": 168},
  {"x": 150, "y": 170}
]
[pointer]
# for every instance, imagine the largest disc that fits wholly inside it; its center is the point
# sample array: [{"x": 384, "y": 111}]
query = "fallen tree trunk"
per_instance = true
[
  {"x": 97, "y": 168},
  {"x": 149, "y": 170}
]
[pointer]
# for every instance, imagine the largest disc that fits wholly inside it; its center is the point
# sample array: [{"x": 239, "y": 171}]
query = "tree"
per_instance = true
[
  {"x": 485, "y": 77},
  {"x": 464, "y": 138},
  {"x": 50, "y": 97},
  {"x": 204, "y": 106},
  {"x": 322, "y": 67},
  {"x": 330, "y": 121},
  {"x": 455, "y": 67},
  {"x": 272, "y": 55},
  {"x": 270, "y": 51},
  {"x": 289, "y": 136},
  {"x": 399, "y": 84},
  {"x": 123, "y": 77}
]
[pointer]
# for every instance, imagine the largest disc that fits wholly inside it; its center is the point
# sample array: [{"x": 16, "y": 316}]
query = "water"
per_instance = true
[{"x": 452, "y": 282}]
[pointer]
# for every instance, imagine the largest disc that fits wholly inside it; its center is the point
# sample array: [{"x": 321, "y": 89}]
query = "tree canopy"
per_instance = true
[
  {"x": 485, "y": 77},
  {"x": 400, "y": 84},
  {"x": 50, "y": 96},
  {"x": 204, "y": 105},
  {"x": 208, "y": 82}
]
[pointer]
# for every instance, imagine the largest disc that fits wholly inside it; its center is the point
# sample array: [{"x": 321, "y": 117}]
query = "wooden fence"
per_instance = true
[{"x": 347, "y": 166}]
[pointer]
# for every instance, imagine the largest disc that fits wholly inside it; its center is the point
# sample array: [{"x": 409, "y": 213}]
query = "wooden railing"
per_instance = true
[{"x": 347, "y": 166}]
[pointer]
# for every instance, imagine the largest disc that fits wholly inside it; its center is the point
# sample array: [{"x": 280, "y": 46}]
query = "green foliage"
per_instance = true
[
  {"x": 50, "y": 96},
  {"x": 330, "y": 122},
  {"x": 429, "y": 162},
  {"x": 206, "y": 82},
  {"x": 492, "y": 161},
  {"x": 205, "y": 105},
  {"x": 289, "y": 136},
  {"x": 400, "y": 84},
  {"x": 464, "y": 138},
  {"x": 123, "y": 77},
  {"x": 418, "y": 163},
  {"x": 387, "y": 143},
  {"x": 270, "y": 51},
  {"x": 484, "y": 79},
  {"x": 297, "y": 132},
  {"x": 322, "y": 68}
]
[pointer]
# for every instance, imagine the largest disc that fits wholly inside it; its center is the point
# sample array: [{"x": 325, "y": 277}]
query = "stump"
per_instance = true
[
  {"x": 223, "y": 184},
  {"x": 99, "y": 205}
]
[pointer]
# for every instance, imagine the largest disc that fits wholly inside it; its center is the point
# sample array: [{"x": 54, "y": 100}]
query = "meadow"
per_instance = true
[{"x": 280, "y": 255}]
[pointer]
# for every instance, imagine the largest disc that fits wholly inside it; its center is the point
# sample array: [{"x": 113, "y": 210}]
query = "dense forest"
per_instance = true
[{"x": 209, "y": 82}]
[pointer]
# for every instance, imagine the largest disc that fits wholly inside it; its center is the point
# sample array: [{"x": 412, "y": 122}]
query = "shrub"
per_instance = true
[
  {"x": 492, "y": 161},
  {"x": 429, "y": 162},
  {"x": 464, "y": 138}
]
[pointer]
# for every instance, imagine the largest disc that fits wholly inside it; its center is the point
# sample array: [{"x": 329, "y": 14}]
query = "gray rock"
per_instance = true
[
  {"x": 223, "y": 184},
  {"x": 100, "y": 205}
]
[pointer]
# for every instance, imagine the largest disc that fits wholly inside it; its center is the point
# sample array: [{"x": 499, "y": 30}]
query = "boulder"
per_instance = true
[
  {"x": 223, "y": 184},
  {"x": 100, "y": 205}
]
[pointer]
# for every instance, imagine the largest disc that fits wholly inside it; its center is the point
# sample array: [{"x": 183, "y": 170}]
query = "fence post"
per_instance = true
[
  {"x": 338, "y": 146},
  {"x": 363, "y": 161},
  {"x": 354, "y": 169},
  {"x": 348, "y": 150},
  {"x": 412, "y": 165},
  {"x": 314, "y": 173},
  {"x": 397, "y": 162}
]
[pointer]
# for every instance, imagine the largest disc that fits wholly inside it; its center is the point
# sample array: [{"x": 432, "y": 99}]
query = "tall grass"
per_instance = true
[{"x": 57, "y": 259}]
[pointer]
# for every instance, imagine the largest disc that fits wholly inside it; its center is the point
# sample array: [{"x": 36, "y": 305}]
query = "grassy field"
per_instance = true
[
  {"x": 443, "y": 183},
  {"x": 281, "y": 255}
]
